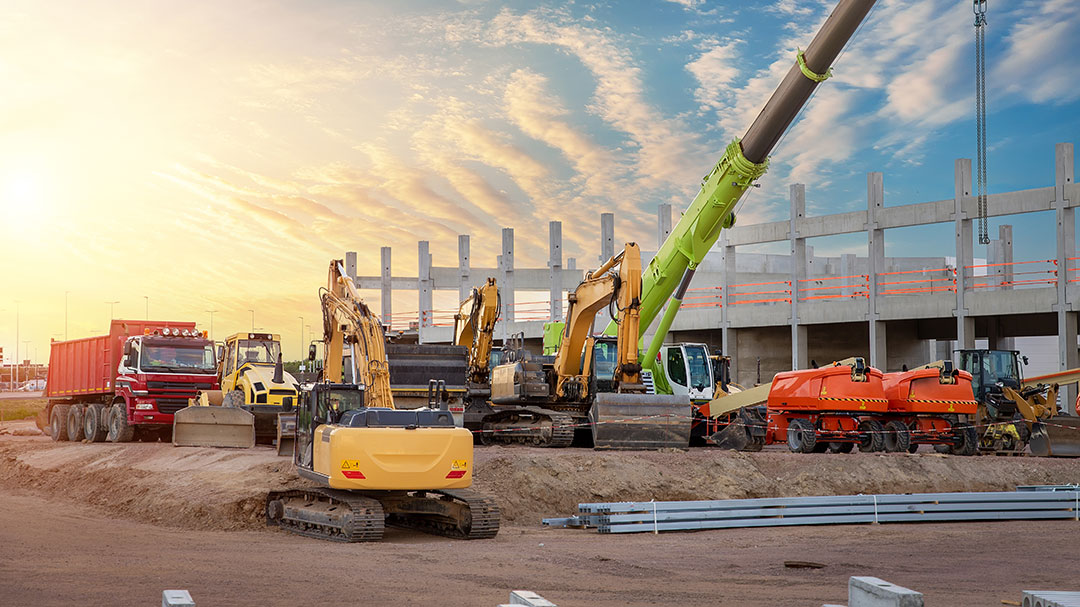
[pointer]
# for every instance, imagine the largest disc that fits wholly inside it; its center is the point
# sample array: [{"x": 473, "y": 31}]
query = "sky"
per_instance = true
[{"x": 182, "y": 157}]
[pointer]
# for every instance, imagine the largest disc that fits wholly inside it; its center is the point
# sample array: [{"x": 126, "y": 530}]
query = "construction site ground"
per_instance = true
[{"x": 115, "y": 524}]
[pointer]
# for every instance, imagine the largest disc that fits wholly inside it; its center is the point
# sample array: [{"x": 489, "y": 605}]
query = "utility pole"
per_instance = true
[{"x": 211, "y": 323}]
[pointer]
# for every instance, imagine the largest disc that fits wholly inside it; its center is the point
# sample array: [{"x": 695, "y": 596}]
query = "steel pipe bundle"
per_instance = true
[{"x": 637, "y": 517}]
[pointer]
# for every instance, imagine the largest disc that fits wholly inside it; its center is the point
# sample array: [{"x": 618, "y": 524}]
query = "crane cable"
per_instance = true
[{"x": 979, "y": 7}]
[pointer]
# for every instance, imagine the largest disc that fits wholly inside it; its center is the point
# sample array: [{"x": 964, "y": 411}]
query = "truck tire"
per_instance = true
[
  {"x": 75, "y": 423},
  {"x": 234, "y": 398},
  {"x": 58, "y": 423},
  {"x": 873, "y": 436},
  {"x": 897, "y": 438},
  {"x": 119, "y": 429},
  {"x": 93, "y": 428},
  {"x": 801, "y": 436}
]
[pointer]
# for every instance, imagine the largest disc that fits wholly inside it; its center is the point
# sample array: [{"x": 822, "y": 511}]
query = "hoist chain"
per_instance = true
[{"x": 979, "y": 6}]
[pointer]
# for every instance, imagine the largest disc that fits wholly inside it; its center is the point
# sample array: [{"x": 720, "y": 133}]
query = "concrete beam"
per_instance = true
[{"x": 866, "y": 591}]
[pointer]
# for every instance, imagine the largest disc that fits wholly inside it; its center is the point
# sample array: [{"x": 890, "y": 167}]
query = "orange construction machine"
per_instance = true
[
  {"x": 832, "y": 408},
  {"x": 931, "y": 405}
]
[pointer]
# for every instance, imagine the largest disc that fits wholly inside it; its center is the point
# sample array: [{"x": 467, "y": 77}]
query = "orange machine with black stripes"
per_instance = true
[
  {"x": 933, "y": 405},
  {"x": 831, "y": 408}
]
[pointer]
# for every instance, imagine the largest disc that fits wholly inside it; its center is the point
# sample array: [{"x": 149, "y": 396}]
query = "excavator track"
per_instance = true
[
  {"x": 531, "y": 426},
  {"x": 455, "y": 513},
  {"x": 327, "y": 514}
]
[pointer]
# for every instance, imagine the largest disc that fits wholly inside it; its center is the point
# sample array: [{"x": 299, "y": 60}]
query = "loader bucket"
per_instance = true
[
  {"x": 286, "y": 433},
  {"x": 1057, "y": 437},
  {"x": 213, "y": 427},
  {"x": 640, "y": 421}
]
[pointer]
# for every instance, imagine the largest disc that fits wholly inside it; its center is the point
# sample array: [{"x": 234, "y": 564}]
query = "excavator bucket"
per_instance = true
[
  {"x": 640, "y": 421},
  {"x": 205, "y": 423},
  {"x": 1056, "y": 437},
  {"x": 744, "y": 432},
  {"x": 286, "y": 433}
]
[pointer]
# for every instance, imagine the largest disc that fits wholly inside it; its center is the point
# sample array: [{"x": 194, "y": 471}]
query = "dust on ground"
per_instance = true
[{"x": 225, "y": 489}]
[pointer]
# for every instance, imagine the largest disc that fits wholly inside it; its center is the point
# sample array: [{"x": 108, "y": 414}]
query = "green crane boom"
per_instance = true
[{"x": 745, "y": 160}]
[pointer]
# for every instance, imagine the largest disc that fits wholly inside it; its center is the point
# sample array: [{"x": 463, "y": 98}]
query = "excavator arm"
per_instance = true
[
  {"x": 350, "y": 325},
  {"x": 474, "y": 328}
]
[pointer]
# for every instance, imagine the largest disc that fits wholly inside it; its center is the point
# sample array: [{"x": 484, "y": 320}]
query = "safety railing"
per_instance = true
[
  {"x": 1072, "y": 274},
  {"x": 1011, "y": 275},
  {"x": 917, "y": 282},
  {"x": 703, "y": 297},
  {"x": 834, "y": 287},
  {"x": 778, "y": 291}
]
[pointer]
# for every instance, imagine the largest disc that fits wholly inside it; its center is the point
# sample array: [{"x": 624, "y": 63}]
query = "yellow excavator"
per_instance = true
[
  {"x": 374, "y": 464},
  {"x": 593, "y": 382}
]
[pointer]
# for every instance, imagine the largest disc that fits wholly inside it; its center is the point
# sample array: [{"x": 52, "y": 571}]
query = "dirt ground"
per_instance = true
[{"x": 116, "y": 524}]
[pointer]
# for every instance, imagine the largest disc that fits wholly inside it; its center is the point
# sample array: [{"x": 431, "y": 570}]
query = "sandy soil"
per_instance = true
[{"x": 151, "y": 516}]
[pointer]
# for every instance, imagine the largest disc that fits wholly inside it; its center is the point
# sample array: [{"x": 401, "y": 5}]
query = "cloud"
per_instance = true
[{"x": 715, "y": 70}]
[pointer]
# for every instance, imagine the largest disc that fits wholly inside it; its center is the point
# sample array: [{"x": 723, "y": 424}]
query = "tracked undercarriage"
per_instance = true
[
  {"x": 536, "y": 426},
  {"x": 361, "y": 516}
]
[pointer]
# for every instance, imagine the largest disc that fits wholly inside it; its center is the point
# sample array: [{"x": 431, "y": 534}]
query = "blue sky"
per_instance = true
[{"x": 235, "y": 147}]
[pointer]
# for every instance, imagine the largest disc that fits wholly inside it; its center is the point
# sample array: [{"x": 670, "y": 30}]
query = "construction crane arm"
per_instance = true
[
  {"x": 474, "y": 328},
  {"x": 744, "y": 161},
  {"x": 349, "y": 324}
]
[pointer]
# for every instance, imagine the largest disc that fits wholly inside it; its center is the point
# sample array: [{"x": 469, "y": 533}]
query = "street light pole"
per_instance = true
[
  {"x": 16, "y": 385},
  {"x": 111, "y": 304},
  {"x": 26, "y": 346},
  {"x": 147, "y": 298},
  {"x": 252, "y": 320},
  {"x": 211, "y": 323},
  {"x": 66, "y": 314},
  {"x": 301, "y": 337}
]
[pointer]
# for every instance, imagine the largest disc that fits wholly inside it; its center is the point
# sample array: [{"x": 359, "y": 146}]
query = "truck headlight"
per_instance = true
[{"x": 144, "y": 406}]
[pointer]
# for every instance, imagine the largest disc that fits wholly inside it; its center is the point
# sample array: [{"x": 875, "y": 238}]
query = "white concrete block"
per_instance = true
[
  {"x": 176, "y": 598},
  {"x": 1051, "y": 598},
  {"x": 866, "y": 591},
  {"x": 530, "y": 598}
]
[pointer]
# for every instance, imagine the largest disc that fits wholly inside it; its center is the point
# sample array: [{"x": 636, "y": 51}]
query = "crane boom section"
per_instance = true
[{"x": 350, "y": 325}]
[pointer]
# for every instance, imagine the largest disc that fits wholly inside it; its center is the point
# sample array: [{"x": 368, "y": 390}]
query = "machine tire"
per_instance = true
[
  {"x": 821, "y": 447},
  {"x": 968, "y": 443},
  {"x": 801, "y": 436},
  {"x": 913, "y": 448},
  {"x": 165, "y": 434},
  {"x": 235, "y": 398},
  {"x": 74, "y": 423},
  {"x": 873, "y": 436},
  {"x": 897, "y": 438},
  {"x": 93, "y": 429},
  {"x": 841, "y": 447},
  {"x": 120, "y": 431},
  {"x": 58, "y": 423}
]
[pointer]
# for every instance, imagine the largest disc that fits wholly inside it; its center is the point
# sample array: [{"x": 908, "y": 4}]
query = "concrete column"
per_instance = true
[
  {"x": 663, "y": 224},
  {"x": 1066, "y": 248},
  {"x": 555, "y": 269},
  {"x": 1005, "y": 240},
  {"x": 506, "y": 284},
  {"x": 875, "y": 196},
  {"x": 350, "y": 265},
  {"x": 424, "y": 303},
  {"x": 571, "y": 263},
  {"x": 464, "y": 269},
  {"x": 965, "y": 326},
  {"x": 607, "y": 236},
  {"x": 797, "y": 192},
  {"x": 728, "y": 334},
  {"x": 387, "y": 295}
]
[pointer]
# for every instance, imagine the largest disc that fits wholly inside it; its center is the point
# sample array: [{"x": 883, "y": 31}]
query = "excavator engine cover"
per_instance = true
[
  {"x": 1056, "y": 437},
  {"x": 640, "y": 421}
]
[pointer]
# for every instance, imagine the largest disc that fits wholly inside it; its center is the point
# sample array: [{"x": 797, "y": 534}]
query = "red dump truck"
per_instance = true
[{"x": 126, "y": 385}]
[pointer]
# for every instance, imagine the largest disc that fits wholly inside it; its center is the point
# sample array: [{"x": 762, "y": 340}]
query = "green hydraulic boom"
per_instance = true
[{"x": 745, "y": 160}]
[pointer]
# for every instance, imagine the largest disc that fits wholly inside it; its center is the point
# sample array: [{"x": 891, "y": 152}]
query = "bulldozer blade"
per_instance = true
[
  {"x": 286, "y": 433},
  {"x": 640, "y": 421},
  {"x": 1057, "y": 437},
  {"x": 213, "y": 427}
]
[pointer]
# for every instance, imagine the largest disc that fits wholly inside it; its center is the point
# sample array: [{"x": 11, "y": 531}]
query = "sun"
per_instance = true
[{"x": 22, "y": 195}]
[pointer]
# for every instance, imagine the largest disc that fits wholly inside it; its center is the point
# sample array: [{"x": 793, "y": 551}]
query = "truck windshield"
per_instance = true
[
  {"x": 258, "y": 351},
  {"x": 697, "y": 359},
  {"x": 178, "y": 358}
]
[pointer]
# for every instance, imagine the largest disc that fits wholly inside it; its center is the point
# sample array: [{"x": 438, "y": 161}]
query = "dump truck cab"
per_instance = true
[{"x": 251, "y": 378}]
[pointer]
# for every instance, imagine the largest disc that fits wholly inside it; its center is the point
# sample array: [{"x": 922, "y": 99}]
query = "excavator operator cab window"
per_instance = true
[
  {"x": 605, "y": 359},
  {"x": 676, "y": 366},
  {"x": 698, "y": 357}
]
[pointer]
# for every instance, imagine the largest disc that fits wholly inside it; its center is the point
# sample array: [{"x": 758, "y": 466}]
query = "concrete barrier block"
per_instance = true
[
  {"x": 866, "y": 591},
  {"x": 1051, "y": 598},
  {"x": 176, "y": 598},
  {"x": 530, "y": 598}
]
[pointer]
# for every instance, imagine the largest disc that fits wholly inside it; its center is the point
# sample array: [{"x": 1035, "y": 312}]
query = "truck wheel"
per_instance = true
[
  {"x": 93, "y": 429},
  {"x": 801, "y": 436},
  {"x": 234, "y": 398},
  {"x": 897, "y": 438},
  {"x": 58, "y": 423},
  {"x": 873, "y": 436},
  {"x": 119, "y": 429},
  {"x": 75, "y": 423}
]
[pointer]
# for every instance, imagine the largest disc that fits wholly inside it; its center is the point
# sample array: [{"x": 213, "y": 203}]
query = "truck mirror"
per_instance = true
[
  {"x": 220, "y": 352},
  {"x": 311, "y": 352},
  {"x": 1025, "y": 359},
  {"x": 127, "y": 349}
]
